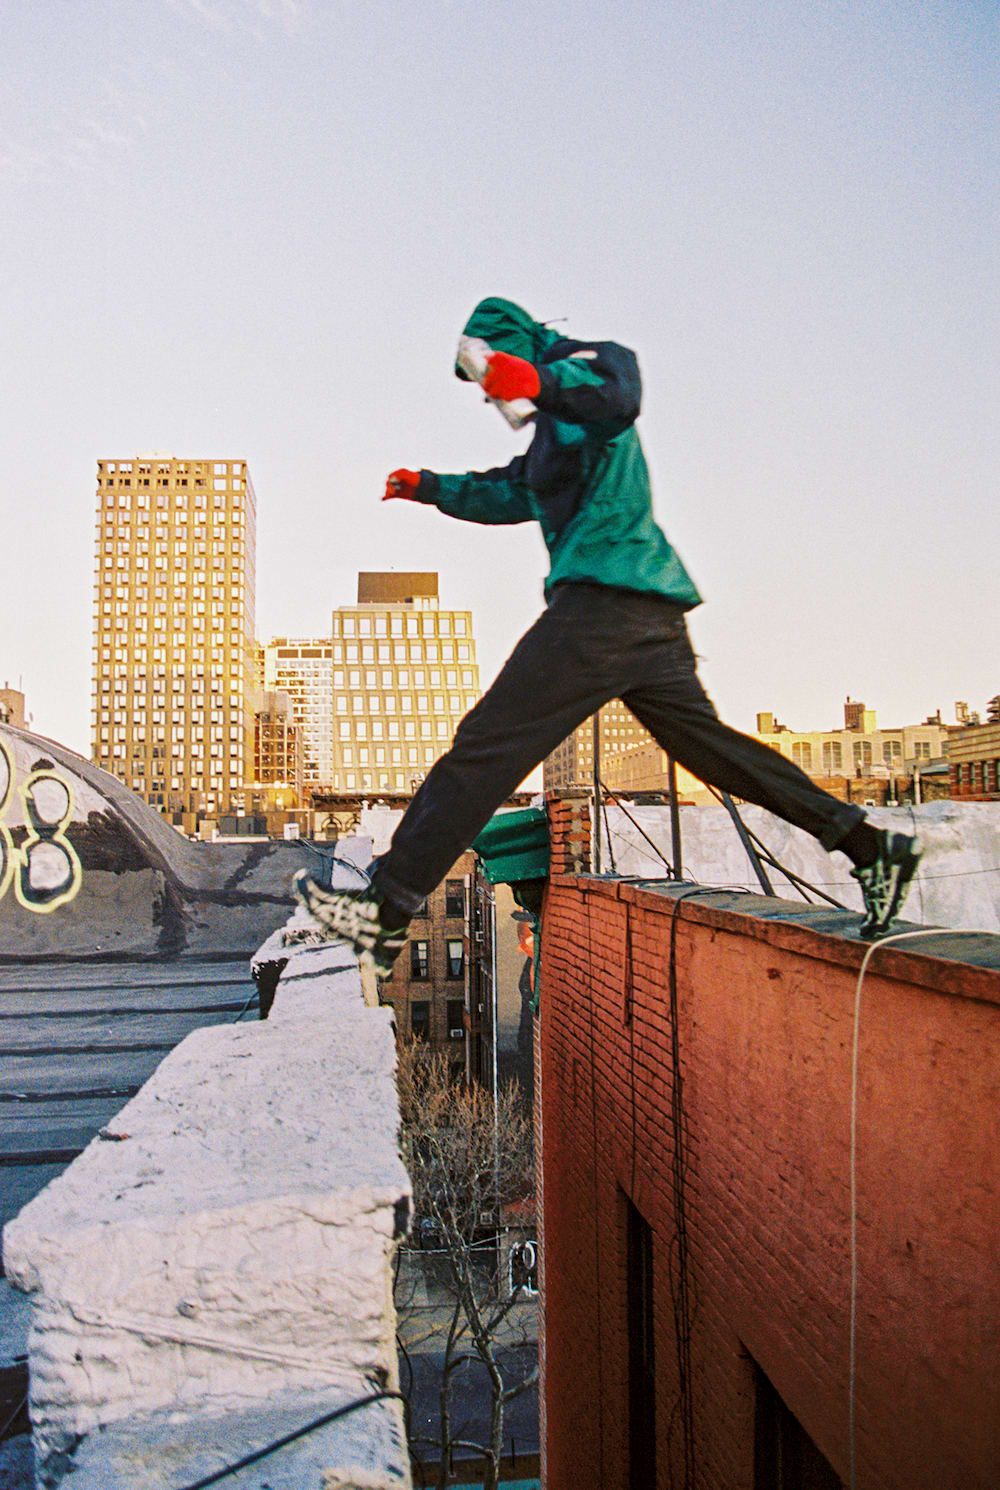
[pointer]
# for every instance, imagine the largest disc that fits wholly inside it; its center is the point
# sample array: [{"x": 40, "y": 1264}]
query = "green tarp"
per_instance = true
[{"x": 514, "y": 846}]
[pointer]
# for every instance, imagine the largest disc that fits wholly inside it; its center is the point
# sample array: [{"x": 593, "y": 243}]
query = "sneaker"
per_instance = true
[
  {"x": 884, "y": 884},
  {"x": 351, "y": 916}
]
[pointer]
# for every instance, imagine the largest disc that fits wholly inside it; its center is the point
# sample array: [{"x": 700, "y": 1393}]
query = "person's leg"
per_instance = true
[
  {"x": 678, "y": 713},
  {"x": 565, "y": 667},
  {"x": 562, "y": 670},
  {"x": 672, "y": 704}
]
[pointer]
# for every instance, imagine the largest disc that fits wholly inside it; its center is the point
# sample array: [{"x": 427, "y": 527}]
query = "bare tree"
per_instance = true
[{"x": 471, "y": 1163}]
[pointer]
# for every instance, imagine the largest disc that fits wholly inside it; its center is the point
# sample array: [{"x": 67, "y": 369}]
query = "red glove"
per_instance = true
[
  {"x": 402, "y": 484},
  {"x": 510, "y": 377}
]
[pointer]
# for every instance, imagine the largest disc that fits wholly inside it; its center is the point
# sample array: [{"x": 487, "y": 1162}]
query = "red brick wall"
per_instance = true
[{"x": 765, "y": 1013}]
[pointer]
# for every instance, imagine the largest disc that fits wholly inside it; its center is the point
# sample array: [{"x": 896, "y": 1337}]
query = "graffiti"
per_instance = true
[{"x": 45, "y": 870}]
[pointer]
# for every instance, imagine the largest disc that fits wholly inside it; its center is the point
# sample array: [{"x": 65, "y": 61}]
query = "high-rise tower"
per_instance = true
[
  {"x": 404, "y": 673},
  {"x": 379, "y": 699},
  {"x": 174, "y": 598}
]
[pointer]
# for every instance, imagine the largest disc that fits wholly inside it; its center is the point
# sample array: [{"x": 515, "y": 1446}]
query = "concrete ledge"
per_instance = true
[{"x": 224, "y": 1245}]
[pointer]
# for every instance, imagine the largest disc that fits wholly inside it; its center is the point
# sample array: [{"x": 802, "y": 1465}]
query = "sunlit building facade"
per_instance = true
[
  {"x": 173, "y": 648},
  {"x": 404, "y": 672},
  {"x": 572, "y": 762},
  {"x": 302, "y": 667}
]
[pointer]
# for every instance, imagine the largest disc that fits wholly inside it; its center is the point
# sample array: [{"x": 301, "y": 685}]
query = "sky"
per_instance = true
[{"x": 254, "y": 229}]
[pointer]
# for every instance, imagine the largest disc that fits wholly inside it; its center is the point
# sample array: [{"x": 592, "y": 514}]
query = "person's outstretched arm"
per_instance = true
[{"x": 497, "y": 496}]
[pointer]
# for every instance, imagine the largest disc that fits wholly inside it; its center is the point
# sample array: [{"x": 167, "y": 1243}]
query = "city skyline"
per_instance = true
[{"x": 259, "y": 227}]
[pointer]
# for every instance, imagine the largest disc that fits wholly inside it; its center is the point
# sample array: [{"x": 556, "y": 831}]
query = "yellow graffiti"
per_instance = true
[
  {"x": 49, "y": 872},
  {"x": 45, "y": 870}
]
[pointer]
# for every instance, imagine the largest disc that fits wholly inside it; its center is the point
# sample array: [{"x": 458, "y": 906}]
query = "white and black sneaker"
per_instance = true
[
  {"x": 884, "y": 884},
  {"x": 351, "y": 916}
]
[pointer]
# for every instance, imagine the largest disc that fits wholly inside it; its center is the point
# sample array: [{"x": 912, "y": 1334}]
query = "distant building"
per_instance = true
[
  {"x": 276, "y": 746},
  {"x": 974, "y": 760},
  {"x": 857, "y": 763},
  {"x": 175, "y": 566},
  {"x": 427, "y": 984},
  {"x": 572, "y": 763},
  {"x": 302, "y": 668},
  {"x": 12, "y": 707},
  {"x": 404, "y": 673},
  {"x": 860, "y": 749},
  {"x": 379, "y": 699}
]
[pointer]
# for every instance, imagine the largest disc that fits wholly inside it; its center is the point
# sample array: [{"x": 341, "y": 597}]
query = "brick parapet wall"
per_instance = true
[
  {"x": 765, "y": 1023},
  {"x": 569, "y": 831}
]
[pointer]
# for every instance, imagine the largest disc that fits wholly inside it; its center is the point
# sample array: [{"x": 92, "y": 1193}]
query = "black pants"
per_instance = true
[{"x": 592, "y": 644}]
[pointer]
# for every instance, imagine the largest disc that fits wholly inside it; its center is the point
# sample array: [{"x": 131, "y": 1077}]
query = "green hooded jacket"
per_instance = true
[{"x": 584, "y": 477}]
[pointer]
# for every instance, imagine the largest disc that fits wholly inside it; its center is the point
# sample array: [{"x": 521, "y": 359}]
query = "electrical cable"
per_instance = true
[
  {"x": 283, "y": 1442},
  {"x": 682, "y": 1287},
  {"x": 886, "y": 941},
  {"x": 607, "y": 830},
  {"x": 794, "y": 879}
]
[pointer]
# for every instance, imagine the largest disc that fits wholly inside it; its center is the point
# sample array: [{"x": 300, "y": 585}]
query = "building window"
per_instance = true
[
  {"x": 892, "y": 752},
  {"x": 641, "y": 1351},
  {"x": 456, "y": 958},
  {"x": 862, "y": 755},
  {"x": 785, "y": 1457},
  {"x": 420, "y": 1019},
  {"x": 420, "y": 960},
  {"x": 456, "y": 1019},
  {"x": 802, "y": 754},
  {"x": 454, "y": 898},
  {"x": 833, "y": 757}
]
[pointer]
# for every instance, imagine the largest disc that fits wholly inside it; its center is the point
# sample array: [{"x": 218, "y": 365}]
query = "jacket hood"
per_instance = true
[{"x": 508, "y": 328}]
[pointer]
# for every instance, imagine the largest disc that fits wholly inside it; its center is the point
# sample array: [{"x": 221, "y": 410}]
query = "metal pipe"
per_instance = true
[
  {"x": 751, "y": 851},
  {"x": 596, "y": 725},
  {"x": 675, "y": 818}
]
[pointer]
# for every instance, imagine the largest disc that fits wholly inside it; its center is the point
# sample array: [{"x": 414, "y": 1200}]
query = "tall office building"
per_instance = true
[
  {"x": 174, "y": 625},
  {"x": 404, "y": 673},
  {"x": 572, "y": 762}
]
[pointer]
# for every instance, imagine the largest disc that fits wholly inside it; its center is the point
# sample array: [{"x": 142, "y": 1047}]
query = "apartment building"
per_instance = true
[
  {"x": 426, "y": 987},
  {"x": 302, "y": 667},
  {"x": 174, "y": 595},
  {"x": 572, "y": 762},
  {"x": 404, "y": 672},
  {"x": 276, "y": 745}
]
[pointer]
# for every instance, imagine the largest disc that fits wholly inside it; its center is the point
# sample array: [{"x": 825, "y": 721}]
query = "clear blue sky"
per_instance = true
[{"x": 253, "y": 228}]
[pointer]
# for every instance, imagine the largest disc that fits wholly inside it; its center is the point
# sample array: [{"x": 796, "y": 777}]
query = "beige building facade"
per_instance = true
[
  {"x": 632, "y": 761},
  {"x": 173, "y": 648},
  {"x": 858, "y": 749},
  {"x": 12, "y": 709},
  {"x": 377, "y": 701},
  {"x": 404, "y": 674},
  {"x": 572, "y": 762},
  {"x": 302, "y": 668}
]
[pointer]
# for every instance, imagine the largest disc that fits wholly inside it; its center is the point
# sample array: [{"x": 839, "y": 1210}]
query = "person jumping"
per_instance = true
[{"x": 614, "y": 627}]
